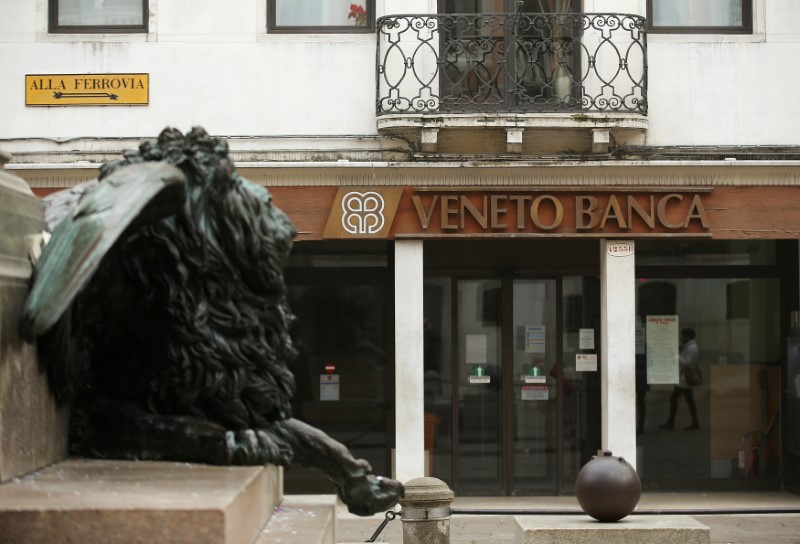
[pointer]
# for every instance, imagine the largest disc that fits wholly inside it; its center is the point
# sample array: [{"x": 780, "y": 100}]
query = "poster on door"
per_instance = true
[
  {"x": 328, "y": 387},
  {"x": 535, "y": 339},
  {"x": 661, "y": 334}
]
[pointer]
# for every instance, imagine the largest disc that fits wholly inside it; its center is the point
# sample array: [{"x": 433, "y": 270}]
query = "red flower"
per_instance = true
[
  {"x": 355, "y": 9},
  {"x": 359, "y": 14}
]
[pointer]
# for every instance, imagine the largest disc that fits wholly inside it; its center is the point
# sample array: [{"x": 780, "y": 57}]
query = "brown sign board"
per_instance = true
[
  {"x": 358, "y": 212},
  {"x": 726, "y": 212}
]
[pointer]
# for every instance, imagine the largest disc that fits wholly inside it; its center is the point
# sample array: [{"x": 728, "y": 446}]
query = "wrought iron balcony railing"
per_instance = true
[{"x": 514, "y": 62}]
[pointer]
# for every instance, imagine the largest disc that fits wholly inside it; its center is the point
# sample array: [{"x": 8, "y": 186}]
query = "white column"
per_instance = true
[
  {"x": 408, "y": 369},
  {"x": 618, "y": 366}
]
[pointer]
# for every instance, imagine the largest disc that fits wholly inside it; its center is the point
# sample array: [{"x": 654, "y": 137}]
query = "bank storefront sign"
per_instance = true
[{"x": 398, "y": 212}]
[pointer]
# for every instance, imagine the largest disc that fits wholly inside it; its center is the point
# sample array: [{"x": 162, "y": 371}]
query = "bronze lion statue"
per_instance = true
[{"x": 159, "y": 311}]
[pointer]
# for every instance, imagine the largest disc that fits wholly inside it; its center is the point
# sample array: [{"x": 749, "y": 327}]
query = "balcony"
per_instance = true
[{"x": 515, "y": 75}]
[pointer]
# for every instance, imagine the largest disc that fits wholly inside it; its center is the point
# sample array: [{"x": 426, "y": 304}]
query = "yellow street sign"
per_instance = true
[{"x": 87, "y": 89}]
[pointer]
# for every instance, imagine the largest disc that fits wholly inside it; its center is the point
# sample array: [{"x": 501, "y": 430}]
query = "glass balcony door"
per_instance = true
[{"x": 511, "y": 56}]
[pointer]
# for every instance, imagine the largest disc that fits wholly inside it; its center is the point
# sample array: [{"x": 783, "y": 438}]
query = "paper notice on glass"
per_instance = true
[
  {"x": 527, "y": 378},
  {"x": 329, "y": 387},
  {"x": 535, "y": 339},
  {"x": 476, "y": 349},
  {"x": 535, "y": 392},
  {"x": 661, "y": 332},
  {"x": 586, "y": 362},
  {"x": 586, "y": 339}
]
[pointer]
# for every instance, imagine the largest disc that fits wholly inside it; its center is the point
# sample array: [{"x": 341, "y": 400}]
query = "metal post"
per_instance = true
[{"x": 426, "y": 511}]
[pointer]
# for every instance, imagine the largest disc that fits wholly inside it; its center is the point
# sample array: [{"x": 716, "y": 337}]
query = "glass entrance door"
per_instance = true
[
  {"x": 480, "y": 386},
  {"x": 504, "y": 415},
  {"x": 534, "y": 352},
  {"x": 508, "y": 381}
]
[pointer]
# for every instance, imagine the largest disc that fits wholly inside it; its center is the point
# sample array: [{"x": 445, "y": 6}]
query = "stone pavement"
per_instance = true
[
  {"x": 738, "y": 528},
  {"x": 727, "y": 528},
  {"x": 741, "y": 528},
  {"x": 753, "y": 528}
]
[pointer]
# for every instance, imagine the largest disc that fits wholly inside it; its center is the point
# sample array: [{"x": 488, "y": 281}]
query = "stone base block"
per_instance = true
[
  {"x": 33, "y": 429},
  {"x": 634, "y": 529},
  {"x": 115, "y": 502}
]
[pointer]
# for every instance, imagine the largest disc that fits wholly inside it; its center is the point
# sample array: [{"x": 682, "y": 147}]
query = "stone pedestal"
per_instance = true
[
  {"x": 33, "y": 430},
  {"x": 131, "y": 502},
  {"x": 634, "y": 529}
]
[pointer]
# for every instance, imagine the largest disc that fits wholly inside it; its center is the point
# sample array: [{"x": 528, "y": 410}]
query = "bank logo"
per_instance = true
[{"x": 362, "y": 213}]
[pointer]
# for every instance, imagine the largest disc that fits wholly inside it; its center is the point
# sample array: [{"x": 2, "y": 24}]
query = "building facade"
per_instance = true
[{"x": 507, "y": 212}]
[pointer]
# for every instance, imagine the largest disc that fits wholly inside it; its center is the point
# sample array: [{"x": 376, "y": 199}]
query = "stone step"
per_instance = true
[
  {"x": 306, "y": 519},
  {"x": 131, "y": 502}
]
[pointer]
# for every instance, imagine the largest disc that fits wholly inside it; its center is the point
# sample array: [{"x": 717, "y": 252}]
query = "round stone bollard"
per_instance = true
[
  {"x": 608, "y": 488},
  {"x": 426, "y": 511}
]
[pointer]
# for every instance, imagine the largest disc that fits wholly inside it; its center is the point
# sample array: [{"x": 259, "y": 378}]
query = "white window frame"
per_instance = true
[
  {"x": 54, "y": 27},
  {"x": 369, "y": 28},
  {"x": 759, "y": 32}
]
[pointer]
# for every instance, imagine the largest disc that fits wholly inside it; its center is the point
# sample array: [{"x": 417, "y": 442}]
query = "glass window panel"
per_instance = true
[
  {"x": 581, "y": 312},
  {"x": 510, "y": 6},
  {"x": 718, "y": 252},
  {"x": 100, "y": 13},
  {"x": 438, "y": 361},
  {"x": 322, "y": 13},
  {"x": 340, "y": 255},
  {"x": 343, "y": 325},
  {"x": 698, "y": 13},
  {"x": 700, "y": 16},
  {"x": 737, "y": 331}
]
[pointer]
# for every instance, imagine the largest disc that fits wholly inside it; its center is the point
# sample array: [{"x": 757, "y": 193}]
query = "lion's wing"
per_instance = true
[
  {"x": 138, "y": 193},
  {"x": 59, "y": 205}
]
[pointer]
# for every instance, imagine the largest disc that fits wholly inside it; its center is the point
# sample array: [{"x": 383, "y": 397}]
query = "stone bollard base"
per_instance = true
[{"x": 426, "y": 511}]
